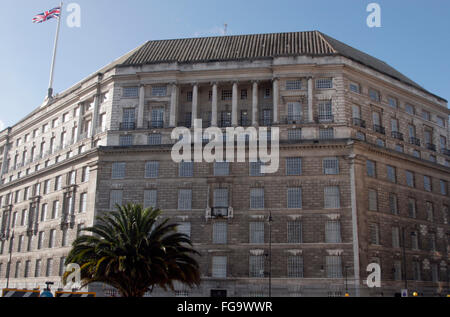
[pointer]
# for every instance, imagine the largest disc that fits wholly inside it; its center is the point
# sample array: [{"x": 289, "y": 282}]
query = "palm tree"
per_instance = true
[{"x": 130, "y": 250}]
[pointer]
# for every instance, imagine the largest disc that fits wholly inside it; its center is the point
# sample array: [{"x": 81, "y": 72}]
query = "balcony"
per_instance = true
[
  {"x": 326, "y": 118},
  {"x": 379, "y": 129},
  {"x": 156, "y": 124},
  {"x": 292, "y": 120},
  {"x": 219, "y": 212},
  {"x": 414, "y": 141},
  {"x": 431, "y": 147},
  {"x": 127, "y": 126},
  {"x": 397, "y": 135},
  {"x": 359, "y": 122}
]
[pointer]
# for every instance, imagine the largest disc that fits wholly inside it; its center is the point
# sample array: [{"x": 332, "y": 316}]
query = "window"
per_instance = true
[
  {"x": 159, "y": 91},
  {"x": 150, "y": 198},
  {"x": 130, "y": 92},
  {"x": 244, "y": 94},
  {"x": 221, "y": 198},
  {"x": 65, "y": 238},
  {"x": 20, "y": 244},
  {"x": 331, "y": 197},
  {"x": 227, "y": 94},
  {"x": 334, "y": 266},
  {"x": 381, "y": 143},
  {"x": 415, "y": 240},
  {"x": 373, "y": 200},
  {"x": 26, "y": 273},
  {"x": 40, "y": 240},
  {"x": 427, "y": 183},
  {"x": 333, "y": 232},
  {"x": 61, "y": 265},
  {"x": 371, "y": 168},
  {"x": 256, "y": 266},
  {"x": 55, "y": 211},
  {"x": 115, "y": 199},
  {"x": 267, "y": 93},
  {"x": 118, "y": 170},
  {"x": 440, "y": 121},
  {"x": 185, "y": 228},
  {"x": 432, "y": 242},
  {"x": 416, "y": 153},
  {"x": 410, "y": 109},
  {"x": 294, "y": 134},
  {"x": 185, "y": 199},
  {"x": 410, "y": 179},
  {"x": 295, "y": 266},
  {"x": 375, "y": 234},
  {"x": 399, "y": 148},
  {"x": 374, "y": 95},
  {"x": 219, "y": 266},
  {"x": 331, "y": 166},
  {"x": 429, "y": 210},
  {"x": 395, "y": 237},
  {"x": 355, "y": 88},
  {"x": 425, "y": 115},
  {"x": 18, "y": 268},
  {"x": 186, "y": 169},
  {"x": 293, "y": 166},
  {"x": 397, "y": 270},
  {"x": 391, "y": 174},
  {"x": 51, "y": 240},
  {"x": 220, "y": 232},
  {"x": 325, "y": 111},
  {"x": 294, "y": 197},
  {"x": 444, "y": 187},
  {"x": 154, "y": 139},
  {"x": 38, "y": 268},
  {"x": 44, "y": 212},
  {"x": 434, "y": 272},
  {"x": 256, "y": 232},
  {"x": 72, "y": 178},
  {"x": 46, "y": 187},
  {"x": 85, "y": 174},
  {"x": 151, "y": 169},
  {"x": 393, "y": 102},
  {"x": 126, "y": 140},
  {"x": 324, "y": 83},
  {"x": 257, "y": 198},
  {"x": 255, "y": 168},
  {"x": 295, "y": 234},
  {"x": 83, "y": 202},
  {"x": 412, "y": 207},
  {"x": 326, "y": 134},
  {"x": 417, "y": 270},
  {"x": 393, "y": 203},
  {"x": 23, "y": 218},
  {"x": 294, "y": 84},
  {"x": 49, "y": 268},
  {"x": 221, "y": 168}
]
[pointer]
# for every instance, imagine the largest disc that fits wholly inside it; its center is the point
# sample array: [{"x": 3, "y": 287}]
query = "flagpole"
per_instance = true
[{"x": 52, "y": 69}]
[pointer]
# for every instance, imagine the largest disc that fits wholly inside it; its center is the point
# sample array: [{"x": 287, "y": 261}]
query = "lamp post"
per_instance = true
[
  {"x": 8, "y": 268},
  {"x": 346, "y": 281},
  {"x": 270, "y": 220}
]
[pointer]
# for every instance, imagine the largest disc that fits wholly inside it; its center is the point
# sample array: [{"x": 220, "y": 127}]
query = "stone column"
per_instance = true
[
  {"x": 140, "y": 115},
  {"x": 173, "y": 106},
  {"x": 310, "y": 99},
  {"x": 255, "y": 104},
  {"x": 194, "y": 103},
  {"x": 80, "y": 121},
  {"x": 214, "y": 105},
  {"x": 95, "y": 114},
  {"x": 234, "y": 107},
  {"x": 276, "y": 96}
]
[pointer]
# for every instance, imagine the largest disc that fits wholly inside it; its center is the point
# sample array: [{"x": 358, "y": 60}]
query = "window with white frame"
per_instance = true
[
  {"x": 150, "y": 198},
  {"x": 256, "y": 263},
  {"x": 154, "y": 139},
  {"x": 38, "y": 268},
  {"x": 220, "y": 232},
  {"x": 295, "y": 233},
  {"x": 440, "y": 121},
  {"x": 354, "y": 87},
  {"x": 219, "y": 266},
  {"x": 332, "y": 197},
  {"x": 426, "y": 115},
  {"x": 221, "y": 168},
  {"x": 184, "y": 228},
  {"x": 375, "y": 234},
  {"x": 130, "y": 92},
  {"x": 410, "y": 109},
  {"x": 55, "y": 211},
  {"x": 49, "y": 268},
  {"x": 256, "y": 232},
  {"x": 331, "y": 166},
  {"x": 83, "y": 202},
  {"x": 295, "y": 266},
  {"x": 374, "y": 95},
  {"x": 324, "y": 83},
  {"x": 393, "y": 203},
  {"x": 115, "y": 198},
  {"x": 185, "y": 199},
  {"x": 293, "y": 166},
  {"x": 334, "y": 266},
  {"x": 151, "y": 169},
  {"x": 257, "y": 198},
  {"x": 26, "y": 273},
  {"x": 58, "y": 183},
  {"x": 294, "y": 195},
  {"x": 395, "y": 237},
  {"x": 373, "y": 200},
  {"x": 293, "y": 84},
  {"x": 51, "y": 239},
  {"x": 40, "y": 240},
  {"x": 85, "y": 174},
  {"x": 393, "y": 102},
  {"x": 159, "y": 91},
  {"x": 118, "y": 170},
  {"x": 333, "y": 231}
]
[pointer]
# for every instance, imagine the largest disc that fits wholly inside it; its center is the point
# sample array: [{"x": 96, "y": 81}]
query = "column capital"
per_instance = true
[
  {"x": 275, "y": 78},
  {"x": 214, "y": 83}
]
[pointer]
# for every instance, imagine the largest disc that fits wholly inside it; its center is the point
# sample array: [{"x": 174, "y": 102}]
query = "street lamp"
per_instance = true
[{"x": 346, "y": 282}]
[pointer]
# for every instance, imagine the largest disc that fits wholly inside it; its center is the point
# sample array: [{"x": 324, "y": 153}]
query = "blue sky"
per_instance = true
[{"x": 413, "y": 38}]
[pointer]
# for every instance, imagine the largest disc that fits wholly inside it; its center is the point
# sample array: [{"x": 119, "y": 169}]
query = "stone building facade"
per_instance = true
[{"x": 363, "y": 176}]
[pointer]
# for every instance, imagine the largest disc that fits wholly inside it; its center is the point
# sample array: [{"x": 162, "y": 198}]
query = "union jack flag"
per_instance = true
[{"x": 47, "y": 15}]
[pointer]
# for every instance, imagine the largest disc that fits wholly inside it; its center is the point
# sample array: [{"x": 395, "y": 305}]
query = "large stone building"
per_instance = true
[{"x": 363, "y": 177}]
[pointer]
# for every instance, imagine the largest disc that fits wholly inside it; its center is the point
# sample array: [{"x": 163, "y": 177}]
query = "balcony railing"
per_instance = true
[
  {"x": 156, "y": 124},
  {"x": 431, "y": 147},
  {"x": 359, "y": 122},
  {"x": 245, "y": 122},
  {"x": 445, "y": 151},
  {"x": 292, "y": 120},
  {"x": 325, "y": 118},
  {"x": 414, "y": 141},
  {"x": 266, "y": 122},
  {"x": 379, "y": 129},
  {"x": 225, "y": 123},
  {"x": 219, "y": 212},
  {"x": 397, "y": 135},
  {"x": 187, "y": 124},
  {"x": 125, "y": 126}
]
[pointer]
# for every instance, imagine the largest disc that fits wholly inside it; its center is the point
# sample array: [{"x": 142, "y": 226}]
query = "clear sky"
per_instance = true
[{"x": 414, "y": 37}]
